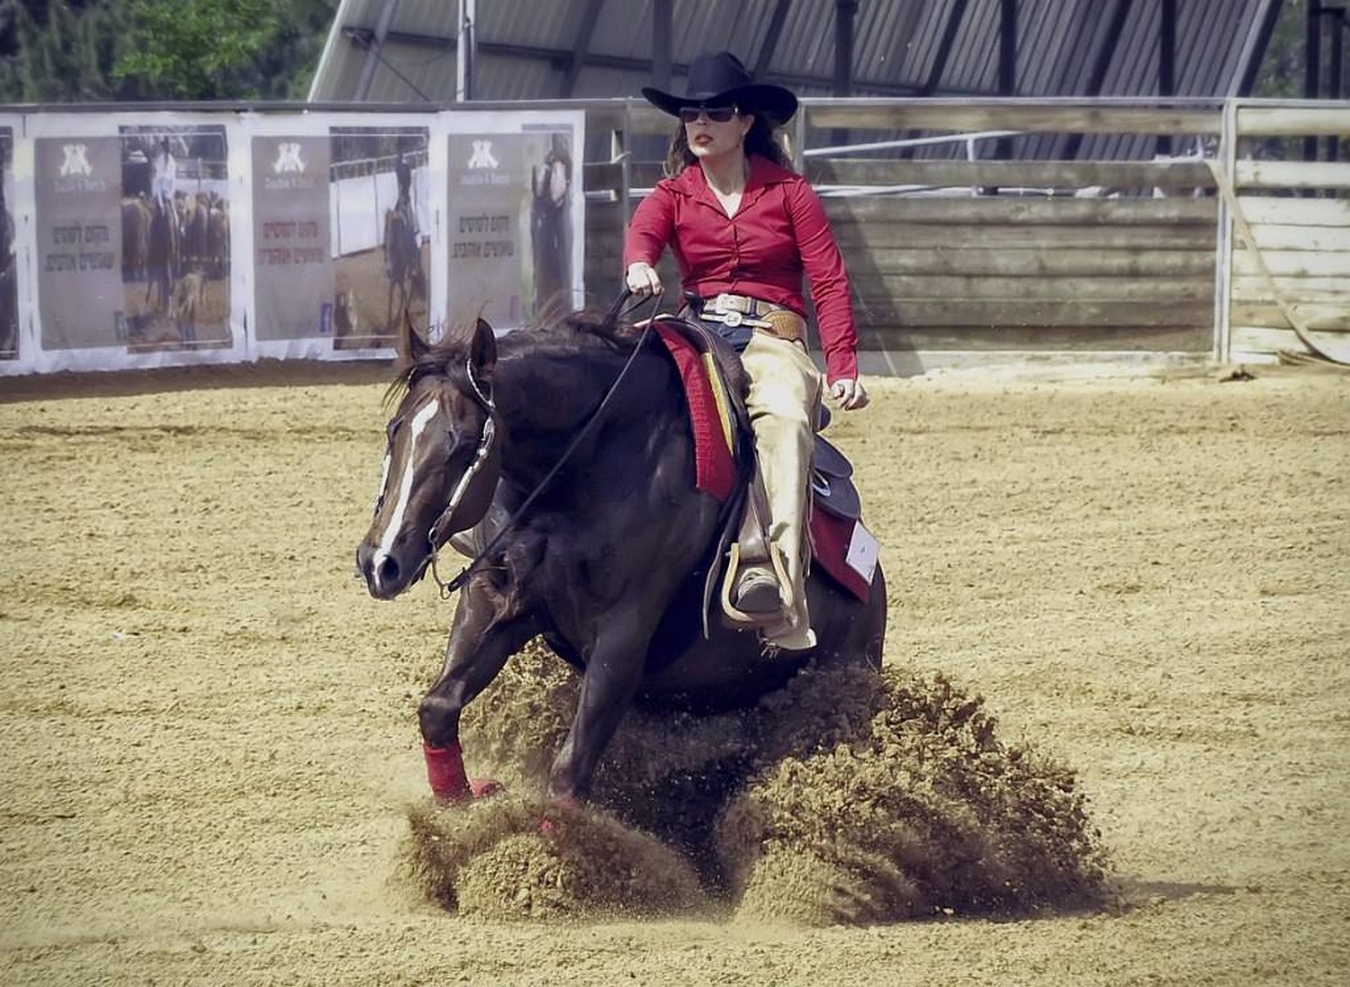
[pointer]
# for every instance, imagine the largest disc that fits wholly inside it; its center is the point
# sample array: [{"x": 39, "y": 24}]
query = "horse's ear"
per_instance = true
[
  {"x": 411, "y": 346},
  {"x": 483, "y": 347}
]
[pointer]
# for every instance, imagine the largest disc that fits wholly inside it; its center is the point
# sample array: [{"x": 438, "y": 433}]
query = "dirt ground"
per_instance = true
[{"x": 207, "y": 730}]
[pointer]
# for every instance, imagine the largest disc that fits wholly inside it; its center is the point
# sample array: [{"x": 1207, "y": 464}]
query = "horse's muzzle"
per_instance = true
[{"x": 387, "y": 574}]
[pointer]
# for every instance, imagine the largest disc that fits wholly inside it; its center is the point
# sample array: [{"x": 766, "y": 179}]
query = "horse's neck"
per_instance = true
[
  {"x": 547, "y": 399},
  {"x": 545, "y": 394}
]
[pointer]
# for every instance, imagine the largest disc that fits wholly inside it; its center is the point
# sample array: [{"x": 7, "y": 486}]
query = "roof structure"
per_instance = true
[{"x": 393, "y": 51}]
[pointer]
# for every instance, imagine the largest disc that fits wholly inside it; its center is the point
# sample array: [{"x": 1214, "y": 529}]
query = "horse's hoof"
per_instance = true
[
  {"x": 486, "y": 787},
  {"x": 552, "y": 824}
]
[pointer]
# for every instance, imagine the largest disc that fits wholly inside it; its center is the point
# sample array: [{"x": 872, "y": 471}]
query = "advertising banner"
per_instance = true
[
  {"x": 293, "y": 272},
  {"x": 512, "y": 207},
  {"x": 80, "y": 299},
  {"x": 175, "y": 238},
  {"x": 381, "y": 233},
  {"x": 9, "y": 267}
]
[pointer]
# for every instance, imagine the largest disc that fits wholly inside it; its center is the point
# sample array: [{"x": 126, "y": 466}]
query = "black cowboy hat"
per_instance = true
[{"x": 719, "y": 79}]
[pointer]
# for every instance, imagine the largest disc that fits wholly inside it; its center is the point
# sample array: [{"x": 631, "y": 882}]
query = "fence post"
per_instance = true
[{"x": 1226, "y": 155}]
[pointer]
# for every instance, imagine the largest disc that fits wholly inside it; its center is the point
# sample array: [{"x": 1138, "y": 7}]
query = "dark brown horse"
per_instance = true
[
  {"x": 163, "y": 256},
  {"x": 605, "y": 555}
]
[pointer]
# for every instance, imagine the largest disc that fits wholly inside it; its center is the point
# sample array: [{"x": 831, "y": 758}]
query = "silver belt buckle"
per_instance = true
[
  {"x": 732, "y": 303},
  {"x": 732, "y": 318}
]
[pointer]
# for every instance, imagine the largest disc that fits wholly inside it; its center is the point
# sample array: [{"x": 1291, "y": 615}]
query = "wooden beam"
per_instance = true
[
  {"x": 1068, "y": 310},
  {"x": 1262, "y": 209},
  {"x": 1043, "y": 262},
  {"x": 1292, "y": 174},
  {"x": 1290, "y": 121},
  {"x": 951, "y": 173},
  {"x": 904, "y": 341},
  {"x": 974, "y": 115},
  {"x": 998, "y": 210}
]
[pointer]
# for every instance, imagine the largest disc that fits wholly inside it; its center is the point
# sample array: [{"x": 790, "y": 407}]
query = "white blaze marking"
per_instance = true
[
  {"x": 384, "y": 475},
  {"x": 420, "y": 422}
]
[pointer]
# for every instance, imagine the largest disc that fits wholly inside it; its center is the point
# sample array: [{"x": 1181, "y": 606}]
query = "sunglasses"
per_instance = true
[{"x": 717, "y": 114}]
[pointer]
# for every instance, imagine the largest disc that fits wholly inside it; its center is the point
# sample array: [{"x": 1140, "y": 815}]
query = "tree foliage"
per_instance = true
[
  {"x": 54, "y": 51},
  {"x": 1282, "y": 69}
]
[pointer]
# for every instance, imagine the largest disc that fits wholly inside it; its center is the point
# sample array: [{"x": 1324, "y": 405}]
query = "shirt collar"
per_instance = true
[{"x": 763, "y": 173}]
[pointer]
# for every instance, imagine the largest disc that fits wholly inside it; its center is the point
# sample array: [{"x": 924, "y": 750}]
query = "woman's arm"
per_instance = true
[
  {"x": 649, "y": 232},
  {"x": 828, "y": 277}
]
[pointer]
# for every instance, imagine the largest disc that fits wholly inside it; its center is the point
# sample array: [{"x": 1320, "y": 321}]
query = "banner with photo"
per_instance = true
[
  {"x": 381, "y": 233},
  {"x": 175, "y": 238},
  {"x": 167, "y": 238},
  {"x": 515, "y": 210},
  {"x": 10, "y": 346}
]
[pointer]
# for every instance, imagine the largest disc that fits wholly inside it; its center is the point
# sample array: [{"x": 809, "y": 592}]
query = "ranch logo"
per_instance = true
[
  {"x": 288, "y": 159},
  {"x": 482, "y": 167},
  {"x": 77, "y": 160},
  {"x": 482, "y": 156},
  {"x": 289, "y": 170},
  {"x": 76, "y": 174}
]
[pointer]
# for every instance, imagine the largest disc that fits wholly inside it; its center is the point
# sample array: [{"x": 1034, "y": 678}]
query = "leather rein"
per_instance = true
[{"x": 486, "y": 443}]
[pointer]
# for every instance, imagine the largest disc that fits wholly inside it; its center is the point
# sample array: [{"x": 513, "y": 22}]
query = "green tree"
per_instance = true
[
  {"x": 55, "y": 51},
  {"x": 189, "y": 49},
  {"x": 1282, "y": 68}
]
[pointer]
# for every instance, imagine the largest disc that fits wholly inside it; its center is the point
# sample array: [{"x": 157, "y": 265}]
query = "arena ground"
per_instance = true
[{"x": 208, "y": 739}]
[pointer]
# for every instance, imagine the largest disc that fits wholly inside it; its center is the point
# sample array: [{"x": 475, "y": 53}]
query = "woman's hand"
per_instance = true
[
  {"x": 849, "y": 394},
  {"x": 642, "y": 279}
]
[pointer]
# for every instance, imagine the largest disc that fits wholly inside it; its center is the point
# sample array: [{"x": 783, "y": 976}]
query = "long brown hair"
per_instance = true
[{"x": 758, "y": 140}]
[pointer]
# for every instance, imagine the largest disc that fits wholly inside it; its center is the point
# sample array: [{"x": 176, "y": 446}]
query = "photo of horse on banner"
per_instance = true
[
  {"x": 175, "y": 238},
  {"x": 380, "y": 233},
  {"x": 9, "y": 300}
]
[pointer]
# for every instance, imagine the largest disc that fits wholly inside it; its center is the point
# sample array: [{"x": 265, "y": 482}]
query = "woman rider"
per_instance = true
[{"x": 744, "y": 229}]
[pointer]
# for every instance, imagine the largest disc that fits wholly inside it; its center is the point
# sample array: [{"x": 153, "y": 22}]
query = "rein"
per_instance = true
[{"x": 485, "y": 447}]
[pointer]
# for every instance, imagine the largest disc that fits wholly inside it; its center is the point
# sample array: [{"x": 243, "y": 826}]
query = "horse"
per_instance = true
[
  {"x": 402, "y": 260},
  {"x": 163, "y": 256},
  {"x": 136, "y": 217},
  {"x": 566, "y": 454}
]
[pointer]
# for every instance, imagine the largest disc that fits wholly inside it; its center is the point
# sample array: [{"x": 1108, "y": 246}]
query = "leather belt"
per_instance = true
[{"x": 744, "y": 310}]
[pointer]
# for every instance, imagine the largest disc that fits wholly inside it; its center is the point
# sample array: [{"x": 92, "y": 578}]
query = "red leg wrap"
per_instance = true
[{"x": 445, "y": 771}]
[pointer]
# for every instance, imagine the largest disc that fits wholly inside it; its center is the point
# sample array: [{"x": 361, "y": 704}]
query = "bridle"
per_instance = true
[{"x": 487, "y": 441}]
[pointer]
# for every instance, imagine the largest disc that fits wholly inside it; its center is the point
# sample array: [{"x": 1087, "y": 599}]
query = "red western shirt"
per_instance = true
[{"x": 779, "y": 232}]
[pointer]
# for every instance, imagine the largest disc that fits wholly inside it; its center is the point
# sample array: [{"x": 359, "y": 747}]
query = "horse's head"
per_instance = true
[{"x": 442, "y": 460}]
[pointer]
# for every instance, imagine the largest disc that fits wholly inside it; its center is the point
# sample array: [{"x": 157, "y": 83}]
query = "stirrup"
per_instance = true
[{"x": 757, "y": 591}]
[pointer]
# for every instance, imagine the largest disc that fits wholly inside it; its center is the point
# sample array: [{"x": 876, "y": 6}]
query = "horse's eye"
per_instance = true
[{"x": 457, "y": 442}]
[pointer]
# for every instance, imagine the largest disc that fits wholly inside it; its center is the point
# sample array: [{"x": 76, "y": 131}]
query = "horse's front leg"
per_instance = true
[
  {"x": 485, "y": 633},
  {"x": 613, "y": 672}
]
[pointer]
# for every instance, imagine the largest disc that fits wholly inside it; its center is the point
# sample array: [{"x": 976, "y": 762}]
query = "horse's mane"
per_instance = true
[{"x": 563, "y": 334}]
